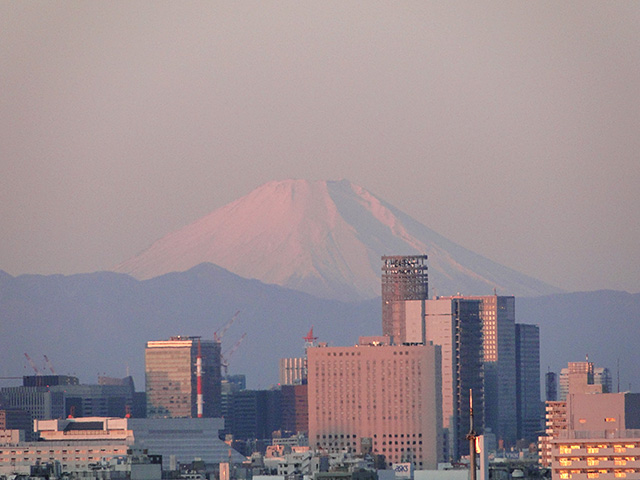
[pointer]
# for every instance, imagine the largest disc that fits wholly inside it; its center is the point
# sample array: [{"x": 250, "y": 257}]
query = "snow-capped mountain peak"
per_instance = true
[{"x": 324, "y": 238}]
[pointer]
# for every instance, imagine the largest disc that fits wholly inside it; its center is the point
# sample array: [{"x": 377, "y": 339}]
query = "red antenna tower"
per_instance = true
[
  {"x": 200, "y": 398},
  {"x": 310, "y": 338}
]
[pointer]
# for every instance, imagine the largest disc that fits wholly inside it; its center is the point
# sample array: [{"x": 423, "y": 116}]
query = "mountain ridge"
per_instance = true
[
  {"x": 324, "y": 238},
  {"x": 98, "y": 323}
]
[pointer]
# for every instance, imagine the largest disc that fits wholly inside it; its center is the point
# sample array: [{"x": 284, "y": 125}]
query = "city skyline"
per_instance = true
[{"x": 510, "y": 129}]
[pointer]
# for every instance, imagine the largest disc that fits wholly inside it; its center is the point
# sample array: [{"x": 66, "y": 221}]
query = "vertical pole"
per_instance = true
[
  {"x": 200, "y": 398},
  {"x": 471, "y": 436}
]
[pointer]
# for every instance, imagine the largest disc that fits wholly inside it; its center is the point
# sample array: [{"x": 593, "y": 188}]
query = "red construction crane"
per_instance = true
[
  {"x": 32, "y": 363},
  {"x": 224, "y": 357},
  {"x": 49, "y": 365},
  {"x": 218, "y": 334}
]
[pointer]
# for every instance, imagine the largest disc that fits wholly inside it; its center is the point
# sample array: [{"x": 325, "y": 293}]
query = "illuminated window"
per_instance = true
[
  {"x": 564, "y": 462},
  {"x": 609, "y": 419},
  {"x": 620, "y": 461},
  {"x": 592, "y": 462},
  {"x": 565, "y": 475},
  {"x": 593, "y": 474},
  {"x": 620, "y": 475},
  {"x": 565, "y": 449},
  {"x": 593, "y": 449}
]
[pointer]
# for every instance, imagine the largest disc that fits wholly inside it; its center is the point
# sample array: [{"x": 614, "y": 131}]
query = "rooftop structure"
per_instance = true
[
  {"x": 405, "y": 287},
  {"x": 81, "y": 442}
]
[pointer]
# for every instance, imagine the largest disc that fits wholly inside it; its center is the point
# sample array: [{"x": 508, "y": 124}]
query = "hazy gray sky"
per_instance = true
[{"x": 512, "y": 128}]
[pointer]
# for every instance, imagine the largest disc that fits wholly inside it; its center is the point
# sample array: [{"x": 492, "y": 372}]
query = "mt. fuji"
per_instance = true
[{"x": 324, "y": 238}]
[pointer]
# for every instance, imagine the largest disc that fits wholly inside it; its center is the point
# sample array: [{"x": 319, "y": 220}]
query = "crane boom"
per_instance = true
[
  {"x": 32, "y": 363},
  {"x": 218, "y": 334}
]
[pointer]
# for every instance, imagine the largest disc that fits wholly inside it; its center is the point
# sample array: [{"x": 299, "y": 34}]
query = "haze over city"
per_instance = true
[{"x": 510, "y": 128}]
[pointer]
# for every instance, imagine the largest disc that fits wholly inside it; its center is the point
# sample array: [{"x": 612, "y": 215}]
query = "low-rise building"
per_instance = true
[{"x": 78, "y": 444}]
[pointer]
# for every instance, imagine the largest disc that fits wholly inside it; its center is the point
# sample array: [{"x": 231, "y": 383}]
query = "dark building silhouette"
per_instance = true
[
  {"x": 454, "y": 323},
  {"x": 295, "y": 409},
  {"x": 551, "y": 386},
  {"x": 14, "y": 419},
  {"x": 253, "y": 414},
  {"x": 528, "y": 382}
]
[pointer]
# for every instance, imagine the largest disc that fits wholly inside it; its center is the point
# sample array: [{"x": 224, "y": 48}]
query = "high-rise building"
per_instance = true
[
  {"x": 379, "y": 397},
  {"x": 498, "y": 315},
  {"x": 454, "y": 323},
  {"x": 172, "y": 380},
  {"x": 528, "y": 381},
  {"x": 405, "y": 288}
]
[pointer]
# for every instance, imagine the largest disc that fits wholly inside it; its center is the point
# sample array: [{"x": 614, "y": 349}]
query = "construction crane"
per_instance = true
[
  {"x": 224, "y": 357},
  {"x": 218, "y": 334},
  {"x": 32, "y": 363},
  {"x": 49, "y": 365}
]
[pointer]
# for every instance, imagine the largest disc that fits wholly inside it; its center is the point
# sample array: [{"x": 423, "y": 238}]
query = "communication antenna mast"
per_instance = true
[{"x": 200, "y": 398}]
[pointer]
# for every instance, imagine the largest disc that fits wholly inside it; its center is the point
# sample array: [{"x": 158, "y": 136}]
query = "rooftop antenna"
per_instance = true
[{"x": 310, "y": 340}]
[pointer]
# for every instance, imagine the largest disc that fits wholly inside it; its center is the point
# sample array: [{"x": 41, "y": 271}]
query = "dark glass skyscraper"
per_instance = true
[{"x": 528, "y": 381}]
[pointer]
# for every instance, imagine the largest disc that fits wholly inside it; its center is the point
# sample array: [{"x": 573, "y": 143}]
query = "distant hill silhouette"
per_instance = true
[
  {"x": 98, "y": 323},
  {"x": 324, "y": 238}
]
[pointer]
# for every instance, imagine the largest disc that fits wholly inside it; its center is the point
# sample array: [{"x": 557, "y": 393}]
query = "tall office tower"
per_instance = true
[
  {"x": 498, "y": 315},
  {"x": 172, "y": 380},
  {"x": 551, "y": 386},
  {"x": 377, "y": 396},
  {"x": 405, "y": 288},
  {"x": 584, "y": 377},
  {"x": 528, "y": 381},
  {"x": 454, "y": 323}
]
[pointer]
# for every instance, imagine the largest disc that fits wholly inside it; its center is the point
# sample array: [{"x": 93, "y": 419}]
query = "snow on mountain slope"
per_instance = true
[{"x": 324, "y": 238}]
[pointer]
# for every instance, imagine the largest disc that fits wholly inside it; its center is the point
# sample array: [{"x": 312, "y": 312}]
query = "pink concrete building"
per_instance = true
[{"x": 388, "y": 395}]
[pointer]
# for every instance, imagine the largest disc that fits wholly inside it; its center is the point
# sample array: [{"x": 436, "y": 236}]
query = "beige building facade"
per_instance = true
[{"x": 171, "y": 380}]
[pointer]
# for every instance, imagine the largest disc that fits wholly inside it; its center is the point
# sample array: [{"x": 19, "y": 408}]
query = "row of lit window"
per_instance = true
[
  {"x": 618, "y": 448},
  {"x": 567, "y": 462},
  {"x": 596, "y": 474}
]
